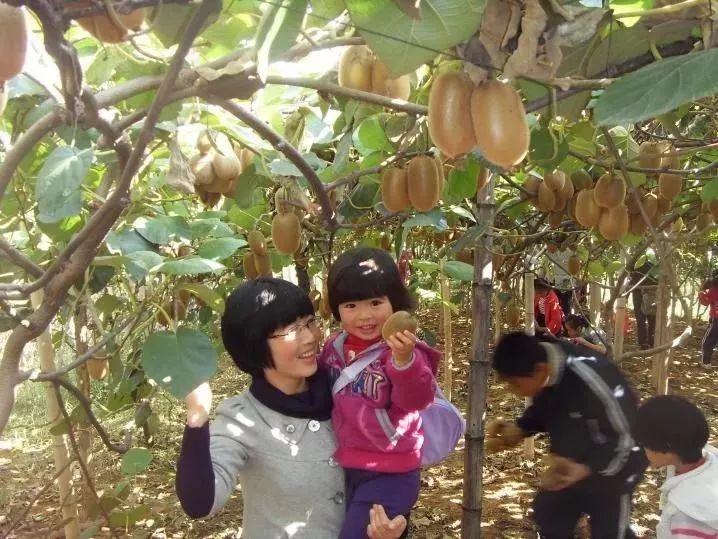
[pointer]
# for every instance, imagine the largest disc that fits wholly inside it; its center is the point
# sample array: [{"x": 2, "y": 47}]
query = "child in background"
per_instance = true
[
  {"x": 709, "y": 296},
  {"x": 376, "y": 416},
  {"x": 547, "y": 308},
  {"x": 674, "y": 433},
  {"x": 579, "y": 331}
]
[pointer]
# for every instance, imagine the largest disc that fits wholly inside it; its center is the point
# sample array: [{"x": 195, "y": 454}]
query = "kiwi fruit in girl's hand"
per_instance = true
[{"x": 399, "y": 321}]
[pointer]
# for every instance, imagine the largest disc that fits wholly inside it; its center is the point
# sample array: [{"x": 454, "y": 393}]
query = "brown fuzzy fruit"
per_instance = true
[
  {"x": 649, "y": 154},
  {"x": 669, "y": 185},
  {"x": 568, "y": 190},
  {"x": 637, "y": 226},
  {"x": 650, "y": 204},
  {"x": 250, "y": 268},
  {"x": 226, "y": 167},
  {"x": 555, "y": 180},
  {"x": 581, "y": 180},
  {"x": 571, "y": 207},
  {"x": 286, "y": 233},
  {"x": 245, "y": 156},
  {"x": 587, "y": 211},
  {"x": 546, "y": 198},
  {"x": 263, "y": 264},
  {"x": 383, "y": 84},
  {"x": 663, "y": 204},
  {"x": 614, "y": 222},
  {"x": 201, "y": 165},
  {"x": 204, "y": 143},
  {"x": 395, "y": 190},
  {"x": 424, "y": 186},
  {"x": 256, "y": 242},
  {"x": 175, "y": 310},
  {"x": 13, "y": 43},
  {"x": 631, "y": 203},
  {"x": 450, "y": 126},
  {"x": 610, "y": 191},
  {"x": 574, "y": 265},
  {"x": 98, "y": 367},
  {"x": 355, "y": 68},
  {"x": 499, "y": 117},
  {"x": 399, "y": 321},
  {"x": 555, "y": 219},
  {"x": 531, "y": 185},
  {"x": 208, "y": 199},
  {"x": 110, "y": 28}
]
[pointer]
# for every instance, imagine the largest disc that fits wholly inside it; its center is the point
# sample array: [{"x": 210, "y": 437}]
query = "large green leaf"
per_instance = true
[
  {"x": 59, "y": 181},
  {"x": 220, "y": 248},
  {"x": 189, "y": 266},
  {"x": 161, "y": 229},
  {"x": 278, "y": 31},
  {"x": 461, "y": 271},
  {"x": 370, "y": 137},
  {"x": 403, "y": 43},
  {"x": 135, "y": 461},
  {"x": 327, "y": 9},
  {"x": 208, "y": 296},
  {"x": 659, "y": 88},
  {"x": 180, "y": 361}
]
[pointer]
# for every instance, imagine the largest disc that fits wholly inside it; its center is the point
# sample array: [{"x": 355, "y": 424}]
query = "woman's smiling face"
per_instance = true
[{"x": 294, "y": 350}]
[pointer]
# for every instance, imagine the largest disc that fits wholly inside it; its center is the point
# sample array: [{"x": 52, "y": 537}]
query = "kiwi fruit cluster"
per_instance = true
[
  {"x": 489, "y": 117},
  {"x": 360, "y": 69},
  {"x": 13, "y": 44},
  {"x": 419, "y": 185}
]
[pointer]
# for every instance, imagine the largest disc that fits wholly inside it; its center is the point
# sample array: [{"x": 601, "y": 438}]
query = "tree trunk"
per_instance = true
[
  {"x": 529, "y": 323},
  {"x": 303, "y": 278},
  {"x": 663, "y": 296},
  {"x": 61, "y": 455},
  {"x": 620, "y": 322},
  {"x": 84, "y": 431},
  {"x": 448, "y": 362},
  {"x": 479, "y": 369},
  {"x": 594, "y": 299}
]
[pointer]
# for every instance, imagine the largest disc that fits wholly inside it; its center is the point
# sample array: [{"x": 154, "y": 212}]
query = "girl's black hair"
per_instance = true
[
  {"x": 252, "y": 312},
  {"x": 672, "y": 424},
  {"x": 365, "y": 273},
  {"x": 542, "y": 284},
  {"x": 576, "y": 321}
]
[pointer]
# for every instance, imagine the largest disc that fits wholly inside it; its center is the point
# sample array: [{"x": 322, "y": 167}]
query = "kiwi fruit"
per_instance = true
[
  {"x": 555, "y": 219},
  {"x": 587, "y": 211},
  {"x": 263, "y": 264},
  {"x": 286, "y": 233},
  {"x": 208, "y": 199},
  {"x": 614, "y": 222},
  {"x": 637, "y": 225},
  {"x": 98, "y": 367},
  {"x": 650, "y": 154},
  {"x": 423, "y": 184},
  {"x": 399, "y": 321},
  {"x": 201, "y": 165},
  {"x": 663, "y": 204},
  {"x": 610, "y": 191},
  {"x": 500, "y": 127},
  {"x": 226, "y": 167},
  {"x": 355, "y": 68},
  {"x": 531, "y": 185},
  {"x": 383, "y": 84},
  {"x": 450, "y": 127},
  {"x": 546, "y": 198},
  {"x": 204, "y": 143},
  {"x": 175, "y": 310},
  {"x": 108, "y": 28},
  {"x": 245, "y": 156},
  {"x": 555, "y": 180},
  {"x": 573, "y": 265},
  {"x": 669, "y": 185},
  {"x": 395, "y": 189},
  {"x": 581, "y": 180},
  {"x": 256, "y": 242},
  {"x": 13, "y": 44},
  {"x": 250, "y": 268}
]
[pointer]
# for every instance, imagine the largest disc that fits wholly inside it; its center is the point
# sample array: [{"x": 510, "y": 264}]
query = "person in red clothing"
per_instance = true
[
  {"x": 547, "y": 308},
  {"x": 709, "y": 296}
]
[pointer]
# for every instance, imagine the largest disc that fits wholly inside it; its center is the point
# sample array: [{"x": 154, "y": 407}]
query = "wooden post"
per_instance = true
[
  {"x": 619, "y": 323},
  {"x": 448, "y": 360},
  {"x": 479, "y": 368},
  {"x": 663, "y": 296},
  {"x": 61, "y": 455},
  {"x": 529, "y": 321},
  {"x": 594, "y": 305},
  {"x": 84, "y": 432}
]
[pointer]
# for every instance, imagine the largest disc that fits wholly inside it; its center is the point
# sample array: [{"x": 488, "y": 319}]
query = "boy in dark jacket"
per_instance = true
[
  {"x": 586, "y": 406},
  {"x": 709, "y": 296}
]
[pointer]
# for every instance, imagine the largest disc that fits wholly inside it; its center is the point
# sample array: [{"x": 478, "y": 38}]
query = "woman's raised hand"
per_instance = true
[{"x": 199, "y": 403}]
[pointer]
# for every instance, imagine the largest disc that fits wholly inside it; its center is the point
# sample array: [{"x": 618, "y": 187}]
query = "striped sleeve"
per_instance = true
[{"x": 685, "y": 527}]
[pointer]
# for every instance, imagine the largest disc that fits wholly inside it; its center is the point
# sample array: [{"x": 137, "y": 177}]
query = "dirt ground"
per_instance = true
[{"x": 509, "y": 480}]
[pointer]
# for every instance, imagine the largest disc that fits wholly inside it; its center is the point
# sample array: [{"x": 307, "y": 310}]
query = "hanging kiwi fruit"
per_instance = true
[
  {"x": 556, "y": 180},
  {"x": 587, "y": 211},
  {"x": 98, "y": 366},
  {"x": 669, "y": 185},
  {"x": 173, "y": 310},
  {"x": 395, "y": 189},
  {"x": 423, "y": 183},
  {"x": 546, "y": 198},
  {"x": 650, "y": 154},
  {"x": 581, "y": 180},
  {"x": 531, "y": 186},
  {"x": 286, "y": 233},
  {"x": 250, "y": 268},
  {"x": 703, "y": 221},
  {"x": 355, "y": 67},
  {"x": 383, "y": 84},
  {"x": 257, "y": 242},
  {"x": 263, "y": 264},
  {"x": 614, "y": 222},
  {"x": 573, "y": 265},
  {"x": 13, "y": 44},
  {"x": 610, "y": 191},
  {"x": 450, "y": 127},
  {"x": 110, "y": 27},
  {"x": 201, "y": 166},
  {"x": 500, "y": 127},
  {"x": 663, "y": 204},
  {"x": 209, "y": 200},
  {"x": 555, "y": 219}
]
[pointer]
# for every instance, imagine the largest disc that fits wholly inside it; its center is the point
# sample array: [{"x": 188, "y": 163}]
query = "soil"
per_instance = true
[{"x": 509, "y": 479}]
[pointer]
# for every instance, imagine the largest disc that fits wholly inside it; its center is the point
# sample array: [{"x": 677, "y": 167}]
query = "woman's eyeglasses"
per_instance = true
[{"x": 296, "y": 330}]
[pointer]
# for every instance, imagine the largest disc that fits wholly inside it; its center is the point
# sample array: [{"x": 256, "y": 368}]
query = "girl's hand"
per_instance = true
[
  {"x": 199, "y": 403},
  {"x": 402, "y": 346}
]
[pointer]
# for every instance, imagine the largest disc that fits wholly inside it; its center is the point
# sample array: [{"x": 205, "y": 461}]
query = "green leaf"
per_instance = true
[
  {"x": 136, "y": 460},
  {"x": 127, "y": 241},
  {"x": 161, "y": 229},
  {"x": 170, "y": 24},
  {"x": 404, "y": 43},
  {"x": 710, "y": 190},
  {"x": 220, "y": 248},
  {"x": 460, "y": 271},
  {"x": 278, "y": 32},
  {"x": 180, "y": 361},
  {"x": 58, "y": 183},
  {"x": 189, "y": 266},
  {"x": 246, "y": 187},
  {"x": 659, "y": 88},
  {"x": 370, "y": 137},
  {"x": 210, "y": 228},
  {"x": 126, "y": 519},
  {"x": 434, "y": 218},
  {"x": 463, "y": 181},
  {"x": 327, "y": 9},
  {"x": 139, "y": 263},
  {"x": 208, "y": 296},
  {"x": 425, "y": 266}
]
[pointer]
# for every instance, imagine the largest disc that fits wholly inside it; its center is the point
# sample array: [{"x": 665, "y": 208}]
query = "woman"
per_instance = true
[
  {"x": 275, "y": 437},
  {"x": 579, "y": 331}
]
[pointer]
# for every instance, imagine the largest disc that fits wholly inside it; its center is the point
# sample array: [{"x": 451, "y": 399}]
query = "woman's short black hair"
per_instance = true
[
  {"x": 252, "y": 312},
  {"x": 576, "y": 321},
  {"x": 542, "y": 284},
  {"x": 672, "y": 424},
  {"x": 517, "y": 354},
  {"x": 365, "y": 273}
]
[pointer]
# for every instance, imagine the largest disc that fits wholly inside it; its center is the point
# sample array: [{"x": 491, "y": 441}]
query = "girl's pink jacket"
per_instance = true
[{"x": 376, "y": 417}]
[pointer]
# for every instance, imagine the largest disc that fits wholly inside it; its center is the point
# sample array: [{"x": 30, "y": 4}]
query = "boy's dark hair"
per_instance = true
[
  {"x": 576, "y": 321},
  {"x": 541, "y": 284},
  {"x": 252, "y": 312},
  {"x": 672, "y": 424},
  {"x": 517, "y": 354},
  {"x": 365, "y": 273}
]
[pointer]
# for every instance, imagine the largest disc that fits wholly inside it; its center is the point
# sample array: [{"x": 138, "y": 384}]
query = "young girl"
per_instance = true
[
  {"x": 579, "y": 331},
  {"x": 547, "y": 308},
  {"x": 376, "y": 415}
]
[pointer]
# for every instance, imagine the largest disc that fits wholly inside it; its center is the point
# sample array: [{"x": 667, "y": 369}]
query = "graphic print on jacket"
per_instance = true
[{"x": 376, "y": 416}]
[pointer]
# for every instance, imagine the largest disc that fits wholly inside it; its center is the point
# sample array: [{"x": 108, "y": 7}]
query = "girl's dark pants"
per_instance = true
[{"x": 710, "y": 340}]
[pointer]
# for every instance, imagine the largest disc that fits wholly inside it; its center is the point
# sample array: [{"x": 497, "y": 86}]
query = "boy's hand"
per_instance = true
[
  {"x": 402, "y": 346},
  {"x": 562, "y": 472},
  {"x": 502, "y": 434},
  {"x": 199, "y": 403},
  {"x": 380, "y": 527}
]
